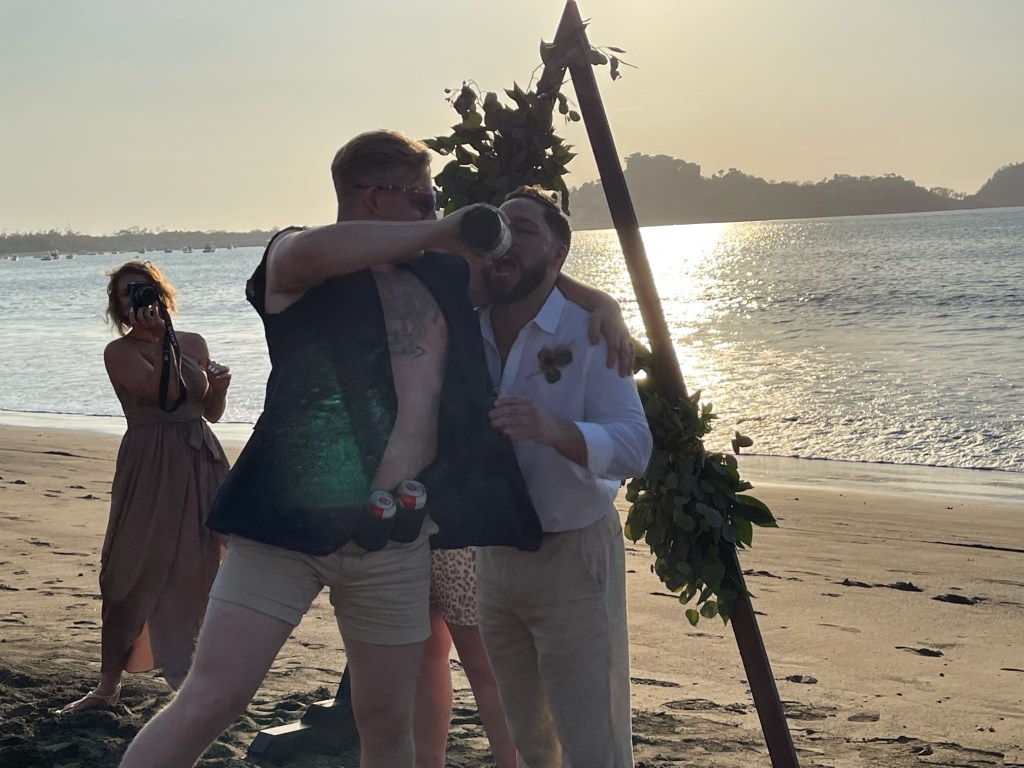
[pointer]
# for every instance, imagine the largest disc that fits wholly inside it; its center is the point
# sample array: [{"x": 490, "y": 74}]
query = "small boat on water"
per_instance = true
[
  {"x": 187, "y": 249},
  {"x": 70, "y": 256},
  {"x": 209, "y": 248}
]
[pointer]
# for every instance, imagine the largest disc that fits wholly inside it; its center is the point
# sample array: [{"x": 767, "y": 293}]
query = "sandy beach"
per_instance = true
[{"x": 892, "y": 609}]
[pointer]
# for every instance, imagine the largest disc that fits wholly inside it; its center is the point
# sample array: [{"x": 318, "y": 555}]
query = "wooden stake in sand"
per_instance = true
[{"x": 328, "y": 725}]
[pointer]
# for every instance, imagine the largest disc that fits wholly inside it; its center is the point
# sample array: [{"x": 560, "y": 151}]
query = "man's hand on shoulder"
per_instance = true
[{"x": 606, "y": 322}]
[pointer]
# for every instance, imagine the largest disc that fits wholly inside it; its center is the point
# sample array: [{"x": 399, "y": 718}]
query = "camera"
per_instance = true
[{"x": 142, "y": 295}]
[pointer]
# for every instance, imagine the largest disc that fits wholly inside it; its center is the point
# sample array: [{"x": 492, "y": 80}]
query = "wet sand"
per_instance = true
[{"x": 891, "y": 604}]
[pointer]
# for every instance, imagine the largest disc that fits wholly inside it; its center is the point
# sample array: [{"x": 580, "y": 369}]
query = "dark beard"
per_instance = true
[{"x": 528, "y": 282}]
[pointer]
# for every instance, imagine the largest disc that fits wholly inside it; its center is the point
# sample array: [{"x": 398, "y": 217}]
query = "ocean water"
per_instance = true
[{"x": 878, "y": 339}]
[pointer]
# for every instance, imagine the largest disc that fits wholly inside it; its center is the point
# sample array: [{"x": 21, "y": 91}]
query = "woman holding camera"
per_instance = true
[{"x": 159, "y": 559}]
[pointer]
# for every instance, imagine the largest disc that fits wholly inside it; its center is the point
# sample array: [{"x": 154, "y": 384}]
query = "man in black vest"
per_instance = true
[{"x": 378, "y": 377}]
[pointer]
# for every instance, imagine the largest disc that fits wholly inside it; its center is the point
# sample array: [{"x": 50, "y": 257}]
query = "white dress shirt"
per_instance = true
[{"x": 604, "y": 406}]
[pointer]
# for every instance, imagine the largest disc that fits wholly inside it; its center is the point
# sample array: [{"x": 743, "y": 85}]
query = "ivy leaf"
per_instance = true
[
  {"x": 683, "y": 519},
  {"x": 741, "y": 441},
  {"x": 756, "y": 511},
  {"x": 709, "y": 610},
  {"x": 744, "y": 530},
  {"x": 712, "y": 515},
  {"x": 546, "y": 49}
]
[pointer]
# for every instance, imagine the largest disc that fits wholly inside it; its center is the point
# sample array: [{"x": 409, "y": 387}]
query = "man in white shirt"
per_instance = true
[{"x": 554, "y": 621}]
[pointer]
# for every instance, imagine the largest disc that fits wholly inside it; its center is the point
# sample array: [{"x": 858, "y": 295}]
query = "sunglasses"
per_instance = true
[{"x": 424, "y": 198}]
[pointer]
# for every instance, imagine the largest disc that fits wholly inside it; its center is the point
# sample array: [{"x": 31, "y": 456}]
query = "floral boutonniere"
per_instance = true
[{"x": 552, "y": 360}]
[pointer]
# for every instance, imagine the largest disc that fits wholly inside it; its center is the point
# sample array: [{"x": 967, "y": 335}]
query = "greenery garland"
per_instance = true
[
  {"x": 497, "y": 147},
  {"x": 688, "y": 506}
]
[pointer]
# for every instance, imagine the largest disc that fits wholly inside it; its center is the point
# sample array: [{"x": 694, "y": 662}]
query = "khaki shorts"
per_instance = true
[
  {"x": 378, "y": 597},
  {"x": 453, "y": 585}
]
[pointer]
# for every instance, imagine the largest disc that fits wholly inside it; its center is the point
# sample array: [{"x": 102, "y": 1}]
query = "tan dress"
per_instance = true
[{"x": 159, "y": 559}]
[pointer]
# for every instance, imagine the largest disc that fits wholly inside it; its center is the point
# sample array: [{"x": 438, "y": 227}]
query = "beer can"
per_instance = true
[
  {"x": 382, "y": 504},
  {"x": 412, "y": 495}
]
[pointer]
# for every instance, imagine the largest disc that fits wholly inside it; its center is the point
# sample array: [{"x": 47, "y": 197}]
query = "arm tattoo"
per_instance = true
[{"x": 408, "y": 309}]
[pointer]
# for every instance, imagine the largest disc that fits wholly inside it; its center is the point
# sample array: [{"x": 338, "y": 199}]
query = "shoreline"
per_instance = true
[
  {"x": 995, "y": 485},
  {"x": 891, "y": 618}
]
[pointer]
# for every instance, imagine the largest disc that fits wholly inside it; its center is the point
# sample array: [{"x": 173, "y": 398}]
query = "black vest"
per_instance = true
[{"x": 303, "y": 479}]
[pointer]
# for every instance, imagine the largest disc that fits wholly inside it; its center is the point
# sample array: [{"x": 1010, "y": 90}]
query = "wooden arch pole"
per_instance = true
[{"x": 571, "y": 35}]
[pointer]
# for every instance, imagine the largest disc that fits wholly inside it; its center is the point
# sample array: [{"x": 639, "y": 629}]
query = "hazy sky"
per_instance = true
[{"x": 225, "y": 114}]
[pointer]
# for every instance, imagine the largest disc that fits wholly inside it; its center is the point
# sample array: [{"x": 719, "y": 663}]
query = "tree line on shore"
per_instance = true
[
  {"x": 130, "y": 241},
  {"x": 665, "y": 190}
]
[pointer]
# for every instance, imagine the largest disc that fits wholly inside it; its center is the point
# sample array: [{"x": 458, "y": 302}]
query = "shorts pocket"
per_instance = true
[{"x": 594, "y": 541}]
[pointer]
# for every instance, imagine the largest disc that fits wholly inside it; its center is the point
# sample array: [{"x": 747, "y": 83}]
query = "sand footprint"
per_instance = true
[
  {"x": 920, "y": 651},
  {"x": 796, "y": 710},
  {"x": 864, "y": 717},
  {"x": 854, "y": 630},
  {"x": 848, "y": 582},
  {"x": 958, "y": 599},
  {"x": 650, "y": 681}
]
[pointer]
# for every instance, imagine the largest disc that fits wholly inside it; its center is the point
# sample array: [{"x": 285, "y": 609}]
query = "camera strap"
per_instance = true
[{"x": 171, "y": 340}]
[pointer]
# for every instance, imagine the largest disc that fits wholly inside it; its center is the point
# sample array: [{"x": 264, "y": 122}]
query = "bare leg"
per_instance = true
[
  {"x": 478, "y": 670},
  {"x": 236, "y": 648},
  {"x": 383, "y": 689},
  {"x": 432, "y": 715}
]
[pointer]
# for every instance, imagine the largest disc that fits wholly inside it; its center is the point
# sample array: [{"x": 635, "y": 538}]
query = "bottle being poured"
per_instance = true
[{"x": 485, "y": 229}]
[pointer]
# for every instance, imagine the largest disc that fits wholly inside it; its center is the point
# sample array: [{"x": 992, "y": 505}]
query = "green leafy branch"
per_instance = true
[
  {"x": 499, "y": 145},
  {"x": 689, "y": 507},
  {"x": 551, "y": 53}
]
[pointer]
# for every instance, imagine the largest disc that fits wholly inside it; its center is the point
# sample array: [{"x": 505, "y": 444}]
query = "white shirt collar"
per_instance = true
[
  {"x": 546, "y": 319},
  {"x": 549, "y": 315}
]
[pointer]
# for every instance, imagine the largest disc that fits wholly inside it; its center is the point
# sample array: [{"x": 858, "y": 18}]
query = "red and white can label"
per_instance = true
[
  {"x": 382, "y": 504},
  {"x": 411, "y": 495}
]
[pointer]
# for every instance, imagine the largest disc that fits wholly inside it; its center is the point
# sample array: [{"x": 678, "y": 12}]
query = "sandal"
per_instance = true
[{"x": 92, "y": 700}]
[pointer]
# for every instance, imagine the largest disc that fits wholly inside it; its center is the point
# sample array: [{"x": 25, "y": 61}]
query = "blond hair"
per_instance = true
[
  {"x": 148, "y": 273},
  {"x": 376, "y": 157}
]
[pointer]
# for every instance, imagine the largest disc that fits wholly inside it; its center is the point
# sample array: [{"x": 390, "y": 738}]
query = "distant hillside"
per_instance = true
[
  {"x": 1005, "y": 188},
  {"x": 667, "y": 190}
]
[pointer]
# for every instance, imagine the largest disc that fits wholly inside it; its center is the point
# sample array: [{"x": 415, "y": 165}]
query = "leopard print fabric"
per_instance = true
[{"x": 453, "y": 585}]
